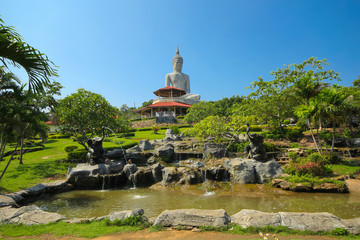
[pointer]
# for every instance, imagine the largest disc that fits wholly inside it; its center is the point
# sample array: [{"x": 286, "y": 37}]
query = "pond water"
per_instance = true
[{"x": 232, "y": 198}]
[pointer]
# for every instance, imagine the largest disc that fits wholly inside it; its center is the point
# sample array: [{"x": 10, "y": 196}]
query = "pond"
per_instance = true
[{"x": 232, "y": 198}]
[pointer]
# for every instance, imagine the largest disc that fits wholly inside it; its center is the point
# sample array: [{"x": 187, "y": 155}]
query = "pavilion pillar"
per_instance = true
[{"x": 151, "y": 112}]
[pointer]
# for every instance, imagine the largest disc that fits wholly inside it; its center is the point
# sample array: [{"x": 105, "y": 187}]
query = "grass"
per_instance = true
[
  {"x": 38, "y": 167},
  {"x": 308, "y": 180},
  {"x": 345, "y": 169},
  {"x": 87, "y": 230},
  {"x": 101, "y": 228}
]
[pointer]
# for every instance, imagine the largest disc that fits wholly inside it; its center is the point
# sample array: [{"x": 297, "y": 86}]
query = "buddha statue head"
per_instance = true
[{"x": 177, "y": 61}]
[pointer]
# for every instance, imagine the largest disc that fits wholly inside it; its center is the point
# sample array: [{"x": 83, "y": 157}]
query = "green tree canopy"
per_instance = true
[{"x": 85, "y": 112}]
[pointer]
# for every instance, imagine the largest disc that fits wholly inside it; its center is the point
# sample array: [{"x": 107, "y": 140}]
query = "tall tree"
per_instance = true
[{"x": 84, "y": 113}]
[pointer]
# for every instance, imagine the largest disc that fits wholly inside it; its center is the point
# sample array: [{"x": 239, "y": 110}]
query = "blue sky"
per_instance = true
[{"x": 123, "y": 49}]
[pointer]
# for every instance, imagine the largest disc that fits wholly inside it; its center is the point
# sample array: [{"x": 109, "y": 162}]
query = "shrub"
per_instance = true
[
  {"x": 77, "y": 155},
  {"x": 293, "y": 133},
  {"x": 252, "y": 128},
  {"x": 317, "y": 158},
  {"x": 307, "y": 168},
  {"x": 270, "y": 147},
  {"x": 70, "y": 148},
  {"x": 293, "y": 156},
  {"x": 155, "y": 129},
  {"x": 332, "y": 158},
  {"x": 135, "y": 220},
  {"x": 175, "y": 129},
  {"x": 286, "y": 121},
  {"x": 59, "y": 135},
  {"x": 144, "y": 129},
  {"x": 340, "y": 232},
  {"x": 237, "y": 147}
]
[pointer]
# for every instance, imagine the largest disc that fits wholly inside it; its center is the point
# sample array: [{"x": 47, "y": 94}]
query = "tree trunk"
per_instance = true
[
  {"x": 333, "y": 138},
  {"x": 7, "y": 165},
  {"x": 21, "y": 149},
  {"x": 2, "y": 146},
  {"x": 313, "y": 137}
]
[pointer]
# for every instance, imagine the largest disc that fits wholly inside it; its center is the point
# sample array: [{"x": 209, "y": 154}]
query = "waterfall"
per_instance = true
[{"x": 103, "y": 183}]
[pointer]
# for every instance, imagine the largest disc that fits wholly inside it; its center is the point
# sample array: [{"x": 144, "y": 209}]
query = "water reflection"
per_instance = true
[{"x": 235, "y": 198}]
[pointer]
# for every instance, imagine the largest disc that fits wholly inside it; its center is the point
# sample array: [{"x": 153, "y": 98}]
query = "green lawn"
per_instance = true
[
  {"x": 46, "y": 165},
  {"x": 39, "y": 166}
]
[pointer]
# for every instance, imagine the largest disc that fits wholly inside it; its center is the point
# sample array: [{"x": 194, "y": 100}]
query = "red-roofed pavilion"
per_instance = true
[{"x": 169, "y": 104}]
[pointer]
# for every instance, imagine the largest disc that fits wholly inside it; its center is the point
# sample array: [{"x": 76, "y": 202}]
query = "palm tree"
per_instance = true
[
  {"x": 14, "y": 51},
  {"x": 333, "y": 101}
]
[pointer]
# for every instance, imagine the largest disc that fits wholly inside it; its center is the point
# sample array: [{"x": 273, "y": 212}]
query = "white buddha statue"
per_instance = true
[{"x": 180, "y": 80}]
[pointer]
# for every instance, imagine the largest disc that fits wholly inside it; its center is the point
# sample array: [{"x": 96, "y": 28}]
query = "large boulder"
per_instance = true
[
  {"x": 165, "y": 152},
  {"x": 251, "y": 171},
  {"x": 170, "y": 136},
  {"x": 217, "y": 174},
  {"x": 193, "y": 217},
  {"x": 116, "y": 154},
  {"x": 311, "y": 221},
  {"x": 137, "y": 155},
  {"x": 145, "y": 145},
  {"x": 157, "y": 172},
  {"x": 143, "y": 178},
  {"x": 252, "y": 218},
  {"x": 181, "y": 175},
  {"x": 28, "y": 215},
  {"x": 129, "y": 169},
  {"x": 295, "y": 220},
  {"x": 214, "y": 150},
  {"x": 88, "y": 176}
]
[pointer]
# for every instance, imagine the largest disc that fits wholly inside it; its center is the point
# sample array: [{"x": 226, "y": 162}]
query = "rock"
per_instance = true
[
  {"x": 58, "y": 186},
  {"x": 15, "y": 196},
  {"x": 181, "y": 175},
  {"x": 86, "y": 176},
  {"x": 157, "y": 172},
  {"x": 251, "y": 171},
  {"x": 6, "y": 201},
  {"x": 165, "y": 152},
  {"x": 268, "y": 170},
  {"x": 297, "y": 221},
  {"x": 145, "y": 145},
  {"x": 143, "y": 178},
  {"x": 116, "y": 154},
  {"x": 331, "y": 188},
  {"x": 242, "y": 170},
  {"x": 129, "y": 169},
  {"x": 193, "y": 217},
  {"x": 310, "y": 221},
  {"x": 197, "y": 164},
  {"x": 125, "y": 214},
  {"x": 137, "y": 156},
  {"x": 170, "y": 175},
  {"x": 352, "y": 225},
  {"x": 252, "y": 218},
  {"x": 28, "y": 215},
  {"x": 300, "y": 187},
  {"x": 217, "y": 174},
  {"x": 214, "y": 150}
]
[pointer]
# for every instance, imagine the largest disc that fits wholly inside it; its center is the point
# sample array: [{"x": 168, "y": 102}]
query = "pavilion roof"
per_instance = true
[
  {"x": 166, "y": 90},
  {"x": 164, "y": 104}
]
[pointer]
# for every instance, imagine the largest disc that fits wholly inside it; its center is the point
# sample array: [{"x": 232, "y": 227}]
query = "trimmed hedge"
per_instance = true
[
  {"x": 77, "y": 156},
  {"x": 70, "y": 148}
]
